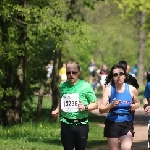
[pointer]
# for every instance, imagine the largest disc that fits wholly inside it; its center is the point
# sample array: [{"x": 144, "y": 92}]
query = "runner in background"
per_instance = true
[
  {"x": 134, "y": 70},
  {"x": 92, "y": 70},
  {"x": 103, "y": 74},
  {"x": 98, "y": 85},
  {"x": 146, "y": 98},
  {"x": 49, "y": 69},
  {"x": 146, "y": 106},
  {"x": 130, "y": 79},
  {"x": 77, "y": 98},
  {"x": 129, "y": 72},
  {"x": 146, "y": 77},
  {"x": 62, "y": 73}
]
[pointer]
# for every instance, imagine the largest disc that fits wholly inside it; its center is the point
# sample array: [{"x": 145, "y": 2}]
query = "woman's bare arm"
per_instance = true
[{"x": 134, "y": 93}]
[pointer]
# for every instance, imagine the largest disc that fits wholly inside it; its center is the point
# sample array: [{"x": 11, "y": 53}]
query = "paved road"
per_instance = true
[{"x": 141, "y": 132}]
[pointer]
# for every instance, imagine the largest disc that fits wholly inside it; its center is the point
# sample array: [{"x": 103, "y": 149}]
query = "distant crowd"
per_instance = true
[{"x": 97, "y": 75}]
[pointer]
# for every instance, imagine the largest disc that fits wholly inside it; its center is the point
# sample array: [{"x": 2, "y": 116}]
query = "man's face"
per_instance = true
[
  {"x": 128, "y": 69},
  {"x": 104, "y": 67},
  {"x": 72, "y": 73}
]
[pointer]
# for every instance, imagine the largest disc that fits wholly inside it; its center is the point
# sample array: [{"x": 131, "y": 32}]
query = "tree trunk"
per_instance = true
[
  {"x": 40, "y": 98},
  {"x": 55, "y": 79},
  {"x": 10, "y": 115},
  {"x": 141, "y": 21},
  {"x": 40, "y": 101},
  {"x": 13, "y": 114}
]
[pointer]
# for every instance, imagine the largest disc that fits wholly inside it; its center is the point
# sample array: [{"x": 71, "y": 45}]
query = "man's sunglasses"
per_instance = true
[
  {"x": 71, "y": 72},
  {"x": 118, "y": 74}
]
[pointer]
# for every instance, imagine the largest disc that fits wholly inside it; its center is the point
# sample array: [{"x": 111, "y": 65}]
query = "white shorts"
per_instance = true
[{"x": 102, "y": 82}]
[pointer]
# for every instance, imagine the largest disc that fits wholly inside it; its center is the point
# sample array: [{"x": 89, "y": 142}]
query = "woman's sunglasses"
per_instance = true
[
  {"x": 118, "y": 74},
  {"x": 71, "y": 72}
]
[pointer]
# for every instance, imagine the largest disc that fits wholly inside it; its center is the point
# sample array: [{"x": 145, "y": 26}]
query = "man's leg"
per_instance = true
[
  {"x": 67, "y": 137},
  {"x": 81, "y": 137}
]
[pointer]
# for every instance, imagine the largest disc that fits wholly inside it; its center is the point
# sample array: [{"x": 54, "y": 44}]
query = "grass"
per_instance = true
[
  {"x": 29, "y": 136},
  {"x": 45, "y": 135},
  {"x": 96, "y": 132}
]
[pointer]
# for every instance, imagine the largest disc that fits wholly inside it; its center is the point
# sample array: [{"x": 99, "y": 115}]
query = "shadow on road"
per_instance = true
[{"x": 142, "y": 145}]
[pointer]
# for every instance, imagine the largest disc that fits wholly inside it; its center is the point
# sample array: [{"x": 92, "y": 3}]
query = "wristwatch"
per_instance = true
[{"x": 86, "y": 107}]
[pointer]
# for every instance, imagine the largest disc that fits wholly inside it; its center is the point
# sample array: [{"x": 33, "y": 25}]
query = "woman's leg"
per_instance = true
[
  {"x": 126, "y": 141},
  {"x": 113, "y": 143},
  {"x": 91, "y": 79},
  {"x": 103, "y": 87}
]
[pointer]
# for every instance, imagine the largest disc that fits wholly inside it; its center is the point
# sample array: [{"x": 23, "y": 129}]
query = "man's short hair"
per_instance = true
[
  {"x": 123, "y": 63},
  {"x": 73, "y": 62}
]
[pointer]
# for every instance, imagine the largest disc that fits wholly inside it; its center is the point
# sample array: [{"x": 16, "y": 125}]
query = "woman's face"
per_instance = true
[{"x": 118, "y": 76}]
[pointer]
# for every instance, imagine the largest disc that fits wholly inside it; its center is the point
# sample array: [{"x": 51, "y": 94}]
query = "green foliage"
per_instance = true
[
  {"x": 8, "y": 92},
  {"x": 34, "y": 31},
  {"x": 106, "y": 37},
  {"x": 29, "y": 107},
  {"x": 23, "y": 34},
  {"x": 94, "y": 30},
  {"x": 132, "y": 8}
]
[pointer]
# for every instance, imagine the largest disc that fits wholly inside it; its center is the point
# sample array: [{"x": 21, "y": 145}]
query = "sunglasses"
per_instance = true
[
  {"x": 118, "y": 74},
  {"x": 71, "y": 72}
]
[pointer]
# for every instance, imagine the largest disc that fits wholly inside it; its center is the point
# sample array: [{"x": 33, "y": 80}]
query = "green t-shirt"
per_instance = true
[{"x": 86, "y": 96}]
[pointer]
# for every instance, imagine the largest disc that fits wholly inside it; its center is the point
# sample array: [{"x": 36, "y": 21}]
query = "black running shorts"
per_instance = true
[{"x": 117, "y": 129}]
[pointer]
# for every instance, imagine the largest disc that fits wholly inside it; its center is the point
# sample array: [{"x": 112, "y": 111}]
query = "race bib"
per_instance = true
[{"x": 69, "y": 102}]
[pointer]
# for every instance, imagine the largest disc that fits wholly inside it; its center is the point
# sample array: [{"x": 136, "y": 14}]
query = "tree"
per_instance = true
[
  {"x": 142, "y": 38},
  {"x": 139, "y": 8},
  {"x": 14, "y": 80},
  {"x": 18, "y": 22},
  {"x": 62, "y": 28}
]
